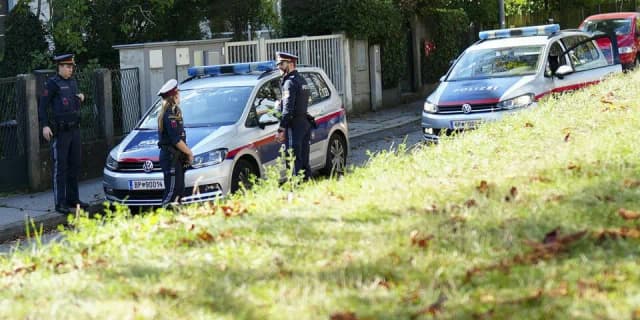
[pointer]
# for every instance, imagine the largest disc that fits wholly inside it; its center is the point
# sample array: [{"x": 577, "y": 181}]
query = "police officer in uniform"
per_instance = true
[
  {"x": 295, "y": 127},
  {"x": 63, "y": 129},
  {"x": 175, "y": 155}
]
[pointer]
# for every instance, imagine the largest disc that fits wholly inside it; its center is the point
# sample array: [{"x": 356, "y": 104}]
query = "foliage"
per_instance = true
[
  {"x": 450, "y": 37},
  {"x": 236, "y": 16},
  {"x": 22, "y": 56},
  {"x": 551, "y": 234},
  {"x": 379, "y": 21}
]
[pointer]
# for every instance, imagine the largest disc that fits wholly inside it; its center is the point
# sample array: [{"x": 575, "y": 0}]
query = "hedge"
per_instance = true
[
  {"x": 449, "y": 30},
  {"x": 378, "y": 21}
]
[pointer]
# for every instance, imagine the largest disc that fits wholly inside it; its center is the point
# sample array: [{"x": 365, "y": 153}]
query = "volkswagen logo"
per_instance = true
[
  {"x": 147, "y": 166},
  {"x": 466, "y": 108}
]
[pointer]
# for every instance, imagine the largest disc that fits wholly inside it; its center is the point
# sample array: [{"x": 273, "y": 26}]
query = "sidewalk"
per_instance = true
[{"x": 16, "y": 210}]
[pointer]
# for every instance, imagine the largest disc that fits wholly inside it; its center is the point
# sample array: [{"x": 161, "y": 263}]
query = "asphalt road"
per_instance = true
[{"x": 361, "y": 147}]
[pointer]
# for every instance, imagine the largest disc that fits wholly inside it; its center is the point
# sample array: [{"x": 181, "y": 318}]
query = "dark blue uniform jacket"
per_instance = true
[
  {"x": 60, "y": 93},
  {"x": 173, "y": 128},
  {"x": 295, "y": 98}
]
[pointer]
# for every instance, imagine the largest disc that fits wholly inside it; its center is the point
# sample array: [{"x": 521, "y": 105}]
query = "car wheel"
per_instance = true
[
  {"x": 336, "y": 156},
  {"x": 242, "y": 173}
]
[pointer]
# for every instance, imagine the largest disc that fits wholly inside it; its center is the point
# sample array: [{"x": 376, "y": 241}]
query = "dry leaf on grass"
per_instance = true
[
  {"x": 631, "y": 183},
  {"x": 344, "y": 316},
  {"x": 433, "y": 309},
  {"x": 628, "y": 214},
  {"x": 420, "y": 240}
]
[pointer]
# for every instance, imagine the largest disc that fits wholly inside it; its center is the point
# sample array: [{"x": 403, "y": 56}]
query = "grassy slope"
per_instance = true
[{"x": 387, "y": 241}]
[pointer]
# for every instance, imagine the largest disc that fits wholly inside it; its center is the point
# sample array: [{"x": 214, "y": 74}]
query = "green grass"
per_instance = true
[{"x": 453, "y": 231}]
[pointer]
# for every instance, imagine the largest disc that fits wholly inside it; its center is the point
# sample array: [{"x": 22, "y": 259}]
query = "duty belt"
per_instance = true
[{"x": 67, "y": 125}]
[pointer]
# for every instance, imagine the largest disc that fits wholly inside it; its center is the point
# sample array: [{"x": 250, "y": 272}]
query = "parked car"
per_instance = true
[
  {"x": 228, "y": 116},
  {"x": 511, "y": 69},
  {"x": 626, "y": 26}
]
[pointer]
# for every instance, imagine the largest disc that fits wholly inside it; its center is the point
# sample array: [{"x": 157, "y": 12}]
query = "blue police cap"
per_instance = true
[
  {"x": 285, "y": 56},
  {"x": 66, "y": 58},
  {"x": 169, "y": 88}
]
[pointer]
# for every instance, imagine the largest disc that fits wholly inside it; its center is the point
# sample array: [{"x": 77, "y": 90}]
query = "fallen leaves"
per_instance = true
[
  {"x": 344, "y": 316},
  {"x": 420, "y": 240},
  {"x": 618, "y": 233},
  {"x": 551, "y": 246},
  {"x": 628, "y": 214},
  {"x": 631, "y": 183},
  {"x": 433, "y": 309}
]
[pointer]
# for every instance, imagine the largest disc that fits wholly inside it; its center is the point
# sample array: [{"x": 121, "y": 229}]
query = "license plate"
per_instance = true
[
  {"x": 146, "y": 185},
  {"x": 465, "y": 124}
]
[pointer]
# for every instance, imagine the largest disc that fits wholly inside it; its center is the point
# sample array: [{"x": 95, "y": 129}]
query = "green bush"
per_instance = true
[
  {"x": 449, "y": 34},
  {"x": 379, "y": 21},
  {"x": 22, "y": 56}
]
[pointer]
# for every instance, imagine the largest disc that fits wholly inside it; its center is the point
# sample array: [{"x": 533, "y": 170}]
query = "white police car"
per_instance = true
[
  {"x": 510, "y": 69},
  {"x": 231, "y": 131}
]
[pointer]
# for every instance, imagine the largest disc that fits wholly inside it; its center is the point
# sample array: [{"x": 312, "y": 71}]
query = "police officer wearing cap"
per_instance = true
[
  {"x": 174, "y": 152},
  {"x": 295, "y": 127},
  {"x": 63, "y": 130}
]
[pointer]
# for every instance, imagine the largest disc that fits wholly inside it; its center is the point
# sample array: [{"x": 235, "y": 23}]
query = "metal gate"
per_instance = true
[
  {"x": 13, "y": 156},
  {"x": 326, "y": 52},
  {"x": 126, "y": 99}
]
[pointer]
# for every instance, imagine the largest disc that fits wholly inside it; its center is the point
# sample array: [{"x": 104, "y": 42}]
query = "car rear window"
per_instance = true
[
  {"x": 205, "y": 107},
  {"x": 621, "y": 26}
]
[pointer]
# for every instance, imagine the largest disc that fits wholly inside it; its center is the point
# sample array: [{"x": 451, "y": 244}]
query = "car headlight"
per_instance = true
[
  {"x": 430, "y": 107},
  {"x": 519, "y": 102},
  {"x": 210, "y": 158},
  {"x": 622, "y": 50},
  {"x": 111, "y": 163}
]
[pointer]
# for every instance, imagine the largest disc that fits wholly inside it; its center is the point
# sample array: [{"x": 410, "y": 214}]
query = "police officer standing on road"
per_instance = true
[
  {"x": 295, "y": 127},
  {"x": 61, "y": 94},
  {"x": 174, "y": 152}
]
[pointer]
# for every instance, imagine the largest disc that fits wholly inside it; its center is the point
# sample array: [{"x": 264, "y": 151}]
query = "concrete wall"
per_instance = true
[
  {"x": 360, "y": 77},
  {"x": 161, "y": 61}
]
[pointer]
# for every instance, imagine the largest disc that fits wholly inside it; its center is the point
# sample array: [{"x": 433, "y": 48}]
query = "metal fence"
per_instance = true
[
  {"x": 90, "y": 129},
  {"x": 11, "y": 121},
  {"x": 13, "y": 169},
  {"x": 326, "y": 52},
  {"x": 126, "y": 99}
]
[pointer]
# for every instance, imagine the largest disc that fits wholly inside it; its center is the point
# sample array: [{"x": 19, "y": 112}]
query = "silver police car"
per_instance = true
[
  {"x": 511, "y": 69},
  {"x": 228, "y": 117}
]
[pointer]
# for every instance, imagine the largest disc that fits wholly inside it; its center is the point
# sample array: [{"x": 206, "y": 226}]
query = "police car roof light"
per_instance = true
[
  {"x": 544, "y": 30},
  {"x": 236, "y": 68}
]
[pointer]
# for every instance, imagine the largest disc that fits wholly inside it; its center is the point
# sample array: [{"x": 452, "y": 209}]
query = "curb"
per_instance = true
[
  {"x": 392, "y": 126},
  {"x": 49, "y": 221}
]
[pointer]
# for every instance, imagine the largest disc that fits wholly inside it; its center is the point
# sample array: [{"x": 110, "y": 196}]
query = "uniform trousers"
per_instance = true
[{"x": 66, "y": 150}]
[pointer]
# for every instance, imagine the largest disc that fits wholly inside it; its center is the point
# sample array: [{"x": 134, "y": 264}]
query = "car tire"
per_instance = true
[
  {"x": 241, "y": 175},
  {"x": 336, "y": 156}
]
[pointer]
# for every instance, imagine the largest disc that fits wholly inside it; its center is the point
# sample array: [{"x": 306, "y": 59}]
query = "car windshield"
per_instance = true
[
  {"x": 621, "y": 26},
  {"x": 205, "y": 107},
  {"x": 496, "y": 62}
]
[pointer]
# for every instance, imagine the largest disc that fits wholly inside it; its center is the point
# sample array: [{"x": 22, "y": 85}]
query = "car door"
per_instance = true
[
  {"x": 266, "y": 101},
  {"x": 319, "y": 106},
  {"x": 588, "y": 65}
]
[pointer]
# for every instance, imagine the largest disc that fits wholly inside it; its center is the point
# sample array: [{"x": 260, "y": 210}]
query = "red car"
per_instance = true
[{"x": 627, "y": 28}]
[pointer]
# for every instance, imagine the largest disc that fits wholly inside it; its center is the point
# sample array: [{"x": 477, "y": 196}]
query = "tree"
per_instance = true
[
  {"x": 23, "y": 56},
  {"x": 236, "y": 16}
]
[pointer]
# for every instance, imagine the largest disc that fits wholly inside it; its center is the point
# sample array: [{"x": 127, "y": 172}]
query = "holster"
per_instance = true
[{"x": 312, "y": 121}]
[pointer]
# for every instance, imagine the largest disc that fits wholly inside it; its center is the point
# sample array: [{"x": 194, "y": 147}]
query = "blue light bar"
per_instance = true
[
  {"x": 236, "y": 68},
  {"x": 544, "y": 30}
]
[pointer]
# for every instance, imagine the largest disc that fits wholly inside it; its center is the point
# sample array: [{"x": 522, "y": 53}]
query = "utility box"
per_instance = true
[{"x": 158, "y": 62}]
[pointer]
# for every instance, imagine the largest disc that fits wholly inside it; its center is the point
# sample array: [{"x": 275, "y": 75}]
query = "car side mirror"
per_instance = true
[
  {"x": 563, "y": 71},
  {"x": 267, "y": 120}
]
